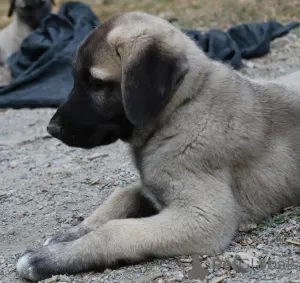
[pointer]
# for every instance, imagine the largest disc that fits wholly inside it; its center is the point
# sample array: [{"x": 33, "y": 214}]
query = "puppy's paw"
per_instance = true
[
  {"x": 24, "y": 267},
  {"x": 72, "y": 234},
  {"x": 35, "y": 265}
]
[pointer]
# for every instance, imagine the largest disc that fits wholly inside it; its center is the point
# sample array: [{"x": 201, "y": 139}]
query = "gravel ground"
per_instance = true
[{"x": 46, "y": 186}]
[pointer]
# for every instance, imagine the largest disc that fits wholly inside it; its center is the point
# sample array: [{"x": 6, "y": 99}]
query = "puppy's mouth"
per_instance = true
[{"x": 87, "y": 138}]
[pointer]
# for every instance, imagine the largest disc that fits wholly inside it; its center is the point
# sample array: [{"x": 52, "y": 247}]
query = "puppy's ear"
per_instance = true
[
  {"x": 52, "y": 2},
  {"x": 150, "y": 77},
  {"x": 12, "y": 5}
]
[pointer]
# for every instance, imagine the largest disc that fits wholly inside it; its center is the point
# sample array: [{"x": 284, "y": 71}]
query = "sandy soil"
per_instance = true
[{"x": 46, "y": 186}]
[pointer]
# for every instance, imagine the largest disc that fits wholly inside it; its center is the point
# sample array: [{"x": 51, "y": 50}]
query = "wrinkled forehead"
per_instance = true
[
  {"x": 99, "y": 50},
  {"x": 94, "y": 48}
]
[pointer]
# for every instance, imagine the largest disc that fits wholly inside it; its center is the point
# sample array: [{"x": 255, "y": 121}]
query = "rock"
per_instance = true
[
  {"x": 13, "y": 164},
  {"x": 248, "y": 259},
  {"x": 177, "y": 277},
  {"x": 11, "y": 231},
  {"x": 167, "y": 265},
  {"x": 186, "y": 260},
  {"x": 95, "y": 156},
  {"x": 240, "y": 261},
  {"x": 219, "y": 279},
  {"x": 260, "y": 246},
  {"x": 161, "y": 281}
]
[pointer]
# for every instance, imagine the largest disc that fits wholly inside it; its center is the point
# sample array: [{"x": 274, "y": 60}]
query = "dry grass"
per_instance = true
[{"x": 196, "y": 13}]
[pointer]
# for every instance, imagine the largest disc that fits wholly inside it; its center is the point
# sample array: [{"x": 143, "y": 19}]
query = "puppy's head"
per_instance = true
[
  {"x": 31, "y": 12},
  {"x": 126, "y": 72}
]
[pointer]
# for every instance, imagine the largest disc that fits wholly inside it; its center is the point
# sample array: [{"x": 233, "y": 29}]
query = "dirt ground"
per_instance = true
[{"x": 46, "y": 186}]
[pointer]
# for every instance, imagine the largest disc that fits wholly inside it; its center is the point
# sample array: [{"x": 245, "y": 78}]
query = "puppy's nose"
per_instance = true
[{"x": 54, "y": 130}]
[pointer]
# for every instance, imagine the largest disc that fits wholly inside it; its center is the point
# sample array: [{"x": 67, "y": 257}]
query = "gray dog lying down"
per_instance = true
[{"x": 214, "y": 148}]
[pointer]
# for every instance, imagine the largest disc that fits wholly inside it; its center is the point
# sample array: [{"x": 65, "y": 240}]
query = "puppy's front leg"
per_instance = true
[
  {"x": 123, "y": 203},
  {"x": 172, "y": 232}
]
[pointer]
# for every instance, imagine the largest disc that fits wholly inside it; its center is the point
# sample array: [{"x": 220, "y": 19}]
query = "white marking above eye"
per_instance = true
[{"x": 100, "y": 73}]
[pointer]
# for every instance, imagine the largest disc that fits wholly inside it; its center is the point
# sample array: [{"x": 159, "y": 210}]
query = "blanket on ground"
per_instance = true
[{"x": 42, "y": 69}]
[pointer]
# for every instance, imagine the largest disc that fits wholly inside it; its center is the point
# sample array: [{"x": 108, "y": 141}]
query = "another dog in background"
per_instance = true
[{"x": 27, "y": 16}]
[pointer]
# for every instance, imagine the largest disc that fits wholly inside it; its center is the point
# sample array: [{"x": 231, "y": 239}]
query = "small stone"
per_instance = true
[
  {"x": 219, "y": 279},
  {"x": 260, "y": 246},
  {"x": 161, "y": 281},
  {"x": 166, "y": 265},
  {"x": 186, "y": 260},
  {"x": 248, "y": 259},
  {"x": 294, "y": 222},
  {"x": 11, "y": 231},
  {"x": 95, "y": 156},
  {"x": 248, "y": 64},
  {"x": 178, "y": 277},
  {"x": 13, "y": 164},
  {"x": 95, "y": 182}
]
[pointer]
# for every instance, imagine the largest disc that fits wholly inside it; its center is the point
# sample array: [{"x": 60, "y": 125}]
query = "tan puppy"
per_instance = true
[
  {"x": 27, "y": 16},
  {"x": 214, "y": 149}
]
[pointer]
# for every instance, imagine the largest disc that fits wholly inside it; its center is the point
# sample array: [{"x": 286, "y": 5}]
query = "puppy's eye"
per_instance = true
[{"x": 95, "y": 83}]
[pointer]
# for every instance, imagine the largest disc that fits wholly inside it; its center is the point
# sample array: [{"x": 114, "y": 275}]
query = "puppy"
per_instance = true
[
  {"x": 28, "y": 15},
  {"x": 214, "y": 148}
]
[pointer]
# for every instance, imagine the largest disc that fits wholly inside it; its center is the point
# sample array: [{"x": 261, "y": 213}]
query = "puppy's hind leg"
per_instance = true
[
  {"x": 123, "y": 203},
  {"x": 170, "y": 233}
]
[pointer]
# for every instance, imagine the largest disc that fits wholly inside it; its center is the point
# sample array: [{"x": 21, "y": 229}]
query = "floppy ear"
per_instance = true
[
  {"x": 12, "y": 4},
  {"x": 149, "y": 80},
  {"x": 52, "y": 2}
]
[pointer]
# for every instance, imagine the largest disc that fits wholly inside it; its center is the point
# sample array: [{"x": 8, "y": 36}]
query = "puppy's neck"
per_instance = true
[{"x": 20, "y": 29}]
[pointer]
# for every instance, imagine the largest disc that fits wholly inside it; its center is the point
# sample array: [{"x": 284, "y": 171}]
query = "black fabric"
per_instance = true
[
  {"x": 42, "y": 70},
  {"x": 241, "y": 41}
]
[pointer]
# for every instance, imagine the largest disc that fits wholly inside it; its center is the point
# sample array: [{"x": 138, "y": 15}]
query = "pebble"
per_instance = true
[
  {"x": 248, "y": 259},
  {"x": 167, "y": 265},
  {"x": 161, "y": 281},
  {"x": 178, "y": 277},
  {"x": 260, "y": 246},
  {"x": 294, "y": 222},
  {"x": 95, "y": 156},
  {"x": 13, "y": 164},
  {"x": 11, "y": 231},
  {"x": 186, "y": 260}
]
